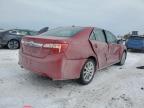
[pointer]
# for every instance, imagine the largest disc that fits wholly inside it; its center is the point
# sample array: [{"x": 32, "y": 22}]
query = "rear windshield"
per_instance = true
[{"x": 63, "y": 31}]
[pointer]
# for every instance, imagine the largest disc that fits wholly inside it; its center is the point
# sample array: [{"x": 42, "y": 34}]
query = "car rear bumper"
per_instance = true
[{"x": 55, "y": 67}]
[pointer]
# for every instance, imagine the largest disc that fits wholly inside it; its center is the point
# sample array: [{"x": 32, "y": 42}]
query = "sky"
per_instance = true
[{"x": 117, "y": 16}]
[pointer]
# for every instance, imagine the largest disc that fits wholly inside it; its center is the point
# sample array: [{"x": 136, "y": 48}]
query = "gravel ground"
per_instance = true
[{"x": 113, "y": 87}]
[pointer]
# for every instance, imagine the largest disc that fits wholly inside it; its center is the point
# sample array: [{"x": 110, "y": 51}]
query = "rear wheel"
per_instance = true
[
  {"x": 13, "y": 44},
  {"x": 87, "y": 72},
  {"x": 123, "y": 58}
]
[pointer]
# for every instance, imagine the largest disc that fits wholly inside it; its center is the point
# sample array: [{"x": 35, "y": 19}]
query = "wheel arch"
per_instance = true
[
  {"x": 13, "y": 39},
  {"x": 125, "y": 50},
  {"x": 95, "y": 60}
]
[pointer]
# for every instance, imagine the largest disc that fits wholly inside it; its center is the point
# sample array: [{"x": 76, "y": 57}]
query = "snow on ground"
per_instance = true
[{"x": 113, "y": 87}]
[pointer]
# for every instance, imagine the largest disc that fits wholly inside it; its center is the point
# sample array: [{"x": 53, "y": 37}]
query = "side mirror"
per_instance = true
[{"x": 120, "y": 41}]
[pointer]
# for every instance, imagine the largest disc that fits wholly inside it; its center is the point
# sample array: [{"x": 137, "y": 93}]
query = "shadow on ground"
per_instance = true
[
  {"x": 41, "y": 81},
  {"x": 136, "y": 51},
  {"x": 140, "y": 67}
]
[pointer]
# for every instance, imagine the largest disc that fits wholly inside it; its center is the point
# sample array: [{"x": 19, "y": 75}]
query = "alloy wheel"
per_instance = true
[{"x": 13, "y": 44}]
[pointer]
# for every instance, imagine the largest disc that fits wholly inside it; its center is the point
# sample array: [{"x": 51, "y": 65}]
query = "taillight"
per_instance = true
[{"x": 55, "y": 48}]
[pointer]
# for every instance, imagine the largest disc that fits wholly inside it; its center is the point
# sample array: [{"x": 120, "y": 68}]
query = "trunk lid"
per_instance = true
[{"x": 33, "y": 46}]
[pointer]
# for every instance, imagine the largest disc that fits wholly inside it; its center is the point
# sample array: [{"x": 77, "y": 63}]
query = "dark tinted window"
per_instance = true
[
  {"x": 110, "y": 37},
  {"x": 62, "y": 31},
  {"x": 99, "y": 35}
]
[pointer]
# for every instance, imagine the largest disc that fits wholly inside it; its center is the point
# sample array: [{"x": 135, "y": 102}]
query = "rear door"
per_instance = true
[
  {"x": 99, "y": 46},
  {"x": 113, "y": 48}
]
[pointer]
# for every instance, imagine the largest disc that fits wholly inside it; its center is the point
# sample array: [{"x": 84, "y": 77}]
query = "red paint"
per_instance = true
[{"x": 67, "y": 60}]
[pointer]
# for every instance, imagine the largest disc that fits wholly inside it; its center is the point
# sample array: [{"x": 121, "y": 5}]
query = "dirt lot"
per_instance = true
[{"x": 113, "y": 87}]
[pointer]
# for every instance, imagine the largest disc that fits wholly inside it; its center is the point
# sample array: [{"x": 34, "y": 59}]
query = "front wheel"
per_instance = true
[
  {"x": 123, "y": 58},
  {"x": 87, "y": 72}
]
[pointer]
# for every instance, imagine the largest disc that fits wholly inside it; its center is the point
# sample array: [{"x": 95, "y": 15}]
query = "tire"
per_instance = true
[
  {"x": 87, "y": 72},
  {"x": 13, "y": 44},
  {"x": 123, "y": 58}
]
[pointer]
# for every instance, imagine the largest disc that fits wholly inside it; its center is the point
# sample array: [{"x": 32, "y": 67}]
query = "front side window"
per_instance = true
[
  {"x": 99, "y": 35},
  {"x": 63, "y": 32},
  {"x": 110, "y": 37}
]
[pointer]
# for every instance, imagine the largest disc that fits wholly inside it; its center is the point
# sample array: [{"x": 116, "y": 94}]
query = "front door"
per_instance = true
[{"x": 113, "y": 48}]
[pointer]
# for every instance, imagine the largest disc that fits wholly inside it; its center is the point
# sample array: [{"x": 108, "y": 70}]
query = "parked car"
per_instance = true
[
  {"x": 135, "y": 42},
  {"x": 71, "y": 53},
  {"x": 11, "y": 38}
]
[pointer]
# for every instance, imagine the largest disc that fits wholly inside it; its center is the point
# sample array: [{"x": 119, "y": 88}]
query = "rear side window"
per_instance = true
[
  {"x": 99, "y": 35},
  {"x": 110, "y": 37},
  {"x": 63, "y": 31}
]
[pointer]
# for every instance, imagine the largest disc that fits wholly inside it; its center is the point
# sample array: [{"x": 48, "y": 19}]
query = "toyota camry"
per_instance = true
[{"x": 71, "y": 53}]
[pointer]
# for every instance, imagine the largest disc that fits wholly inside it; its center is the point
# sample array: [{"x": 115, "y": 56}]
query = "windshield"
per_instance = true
[{"x": 63, "y": 31}]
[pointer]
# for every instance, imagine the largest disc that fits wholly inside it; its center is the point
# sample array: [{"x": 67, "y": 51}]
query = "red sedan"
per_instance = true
[{"x": 71, "y": 53}]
